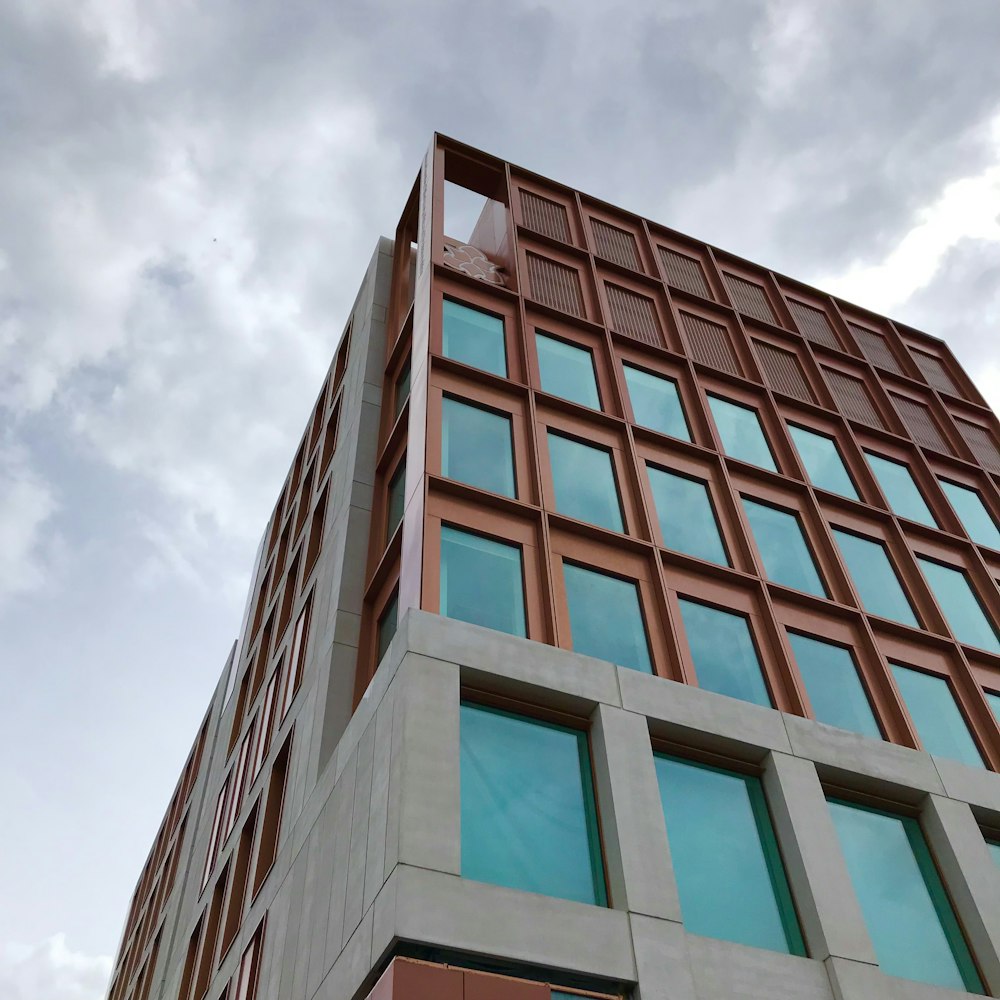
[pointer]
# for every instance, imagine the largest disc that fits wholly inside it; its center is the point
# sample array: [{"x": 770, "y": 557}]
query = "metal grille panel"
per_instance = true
[
  {"x": 919, "y": 421},
  {"x": 783, "y": 371},
  {"x": 684, "y": 272},
  {"x": 934, "y": 371},
  {"x": 710, "y": 344},
  {"x": 555, "y": 284},
  {"x": 634, "y": 315},
  {"x": 545, "y": 216},
  {"x": 982, "y": 443},
  {"x": 616, "y": 244},
  {"x": 876, "y": 349},
  {"x": 852, "y": 397},
  {"x": 750, "y": 298},
  {"x": 814, "y": 324}
]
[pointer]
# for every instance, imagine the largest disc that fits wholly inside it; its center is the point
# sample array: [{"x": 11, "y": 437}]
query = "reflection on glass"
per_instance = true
[
  {"x": 528, "y": 816},
  {"x": 900, "y": 490},
  {"x": 823, "y": 462},
  {"x": 584, "y": 481},
  {"x": 994, "y": 849},
  {"x": 567, "y": 371},
  {"x": 909, "y": 918},
  {"x": 402, "y": 391},
  {"x": 730, "y": 879},
  {"x": 481, "y": 581},
  {"x": 993, "y": 700},
  {"x": 387, "y": 626},
  {"x": 741, "y": 433},
  {"x": 833, "y": 685},
  {"x": 476, "y": 447},
  {"x": 394, "y": 511},
  {"x": 656, "y": 402},
  {"x": 972, "y": 512},
  {"x": 782, "y": 546},
  {"x": 605, "y": 617},
  {"x": 874, "y": 578},
  {"x": 960, "y": 605},
  {"x": 724, "y": 656},
  {"x": 687, "y": 518},
  {"x": 473, "y": 337}
]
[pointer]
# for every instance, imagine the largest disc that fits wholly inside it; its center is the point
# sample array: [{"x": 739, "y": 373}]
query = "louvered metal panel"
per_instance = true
[
  {"x": 616, "y": 244},
  {"x": 813, "y": 324},
  {"x": 934, "y": 371},
  {"x": 876, "y": 349},
  {"x": 634, "y": 315},
  {"x": 783, "y": 371},
  {"x": 982, "y": 443},
  {"x": 852, "y": 397},
  {"x": 555, "y": 284},
  {"x": 919, "y": 421},
  {"x": 545, "y": 216},
  {"x": 684, "y": 272},
  {"x": 750, "y": 298},
  {"x": 710, "y": 344}
]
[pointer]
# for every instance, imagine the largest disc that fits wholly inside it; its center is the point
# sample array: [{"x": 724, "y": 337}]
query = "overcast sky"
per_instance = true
[{"x": 189, "y": 194}]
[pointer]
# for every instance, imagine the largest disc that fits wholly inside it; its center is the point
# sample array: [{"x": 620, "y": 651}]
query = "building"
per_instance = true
[{"x": 627, "y": 626}]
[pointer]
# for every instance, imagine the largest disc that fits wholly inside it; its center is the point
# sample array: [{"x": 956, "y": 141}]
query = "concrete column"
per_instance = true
[{"x": 662, "y": 964}]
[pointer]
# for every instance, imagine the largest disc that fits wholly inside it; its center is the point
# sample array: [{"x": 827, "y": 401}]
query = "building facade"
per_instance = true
[{"x": 627, "y": 626}]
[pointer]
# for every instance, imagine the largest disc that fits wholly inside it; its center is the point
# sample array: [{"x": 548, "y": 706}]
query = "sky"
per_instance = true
[{"x": 189, "y": 196}]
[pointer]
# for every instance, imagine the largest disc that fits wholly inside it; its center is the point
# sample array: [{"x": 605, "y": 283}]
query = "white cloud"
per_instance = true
[{"x": 51, "y": 971}]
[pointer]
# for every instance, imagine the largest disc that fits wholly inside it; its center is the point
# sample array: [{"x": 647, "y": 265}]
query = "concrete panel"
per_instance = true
[
  {"x": 829, "y": 912},
  {"x": 343, "y": 797},
  {"x": 661, "y": 959},
  {"x": 358, "y": 855},
  {"x": 858, "y": 981},
  {"x": 289, "y": 953},
  {"x": 326, "y": 837},
  {"x": 975, "y": 785},
  {"x": 312, "y": 899},
  {"x": 375, "y": 865},
  {"x": 351, "y": 969}
]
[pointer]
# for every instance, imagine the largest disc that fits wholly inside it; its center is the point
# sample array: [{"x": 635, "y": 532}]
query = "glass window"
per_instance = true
[
  {"x": 567, "y": 371},
  {"x": 477, "y": 447},
  {"x": 993, "y": 700},
  {"x": 724, "y": 656},
  {"x": 994, "y": 848},
  {"x": 387, "y": 626},
  {"x": 900, "y": 489},
  {"x": 909, "y": 918},
  {"x": 687, "y": 517},
  {"x": 783, "y": 548},
  {"x": 605, "y": 617},
  {"x": 473, "y": 337},
  {"x": 972, "y": 512},
  {"x": 481, "y": 581},
  {"x": 656, "y": 402},
  {"x": 402, "y": 390},
  {"x": 874, "y": 578},
  {"x": 394, "y": 512},
  {"x": 823, "y": 462},
  {"x": 741, "y": 433},
  {"x": 960, "y": 605},
  {"x": 528, "y": 817},
  {"x": 831, "y": 678},
  {"x": 584, "y": 481},
  {"x": 730, "y": 878},
  {"x": 936, "y": 715}
]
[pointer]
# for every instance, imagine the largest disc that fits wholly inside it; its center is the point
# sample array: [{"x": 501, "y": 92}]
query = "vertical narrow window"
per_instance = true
[
  {"x": 687, "y": 518},
  {"x": 783, "y": 547},
  {"x": 394, "y": 502},
  {"x": 529, "y": 819},
  {"x": 730, "y": 877},
  {"x": 477, "y": 447},
  {"x": 238, "y": 777},
  {"x": 831, "y": 678},
  {"x": 387, "y": 626},
  {"x": 823, "y": 462},
  {"x": 994, "y": 848},
  {"x": 187, "y": 974},
  {"x": 475, "y": 338},
  {"x": 909, "y": 919},
  {"x": 961, "y": 605},
  {"x": 245, "y": 983},
  {"x": 723, "y": 652},
  {"x": 936, "y": 715},
  {"x": 296, "y": 658},
  {"x": 972, "y": 512},
  {"x": 482, "y": 581},
  {"x": 213, "y": 839},
  {"x": 741, "y": 433},
  {"x": 401, "y": 390},
  {"x": 656, "y": 402},
  {"x": 567, "y": 370},
  {"x": 605, "y": 617},
  {"x": 875, "y": 578},
  {"x": 900, "y": 489},
  {"x": 264, "y": 726},
  {"x": 206, "y": 958},
  {"x": 584, "y": 481},
  {"x": 271, "y": 826},
  {"x": 238, "y": 883},
  {"x": 993, "y": 700}
]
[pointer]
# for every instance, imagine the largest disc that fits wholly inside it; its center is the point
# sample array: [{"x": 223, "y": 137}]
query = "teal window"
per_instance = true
[
  {"x": 481, "y": 581},
  {"x": 993, "y": 700},
  {"x": 972, "y": 512},
  {"x": 835, "y": 690},
  {"x": 687, "y": 518},
  {"x": 874, "y": 578},
  {"x": 783, "y": 547},
  {"x": 528, "y": 815},
  {"x": 656, "y": 402},
  {"x": 402, "y": 389},
  {"x": 741, "y": 433},
  {"x": 910, "y": 921},
  {"x": 936, "y": 715},
  {"x": 723, "y": 652},
  {"x": 994, "y": 848},
  {"x": 477, "y": 447},
  {"x": 387, "y": 626},
  {"x": 960, "y": 605},
  {"x": 900, "y": 489},
  {"x": 730, "y": 878},
  {"x": 605, "y": 617},
  {"x": 394, "y": 511},
  {"x": 823, "y": 462},
  {"x": 584, "y": 480},
  {"x": 475, "y": 338},
  {"x": 567, "y": 371}
]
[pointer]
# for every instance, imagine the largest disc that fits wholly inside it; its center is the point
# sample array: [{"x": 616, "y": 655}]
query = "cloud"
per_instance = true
[{"x": 51, "y": 971}]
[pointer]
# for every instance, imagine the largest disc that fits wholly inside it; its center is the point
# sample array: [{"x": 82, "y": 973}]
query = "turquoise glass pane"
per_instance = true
[
  {"x": 874, "y": 578},
  {"x": 900, "y": 489},
  {"x": 994, "y": 703},
  {"x": 831, "y": 678},
  {"x": 822, "y": 461},
  {"x": 656, "y": 403},
  {"x": 473, "y": 337},
  {"x": 939, "y": 722},
  {"x": 605, "y": 617},
  {"x": 994, "y": 850},
  {"x": 960, "y": 605},
  {"x": 402, "y": 388},
  {"x": 394, "y": 512},
  {"x": 584, "y": 481},
  {"x": 567, "y": 371},
  {"x": 909, "y": 919},
  {"x": 972, "y": 512},
  {"x": 687, "y": 518},
  {"x": 476, "y": 447},
  {"x": 723, "y": 653},
  {"x": 741, "y": 433},
  {"x": 387, "y": 626},
  {"x": 528, "y": 815},
  {"x": 729, "y": 874},
  {"x": 481, "y": 581},
  {"x": 783, "y": 549}
]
